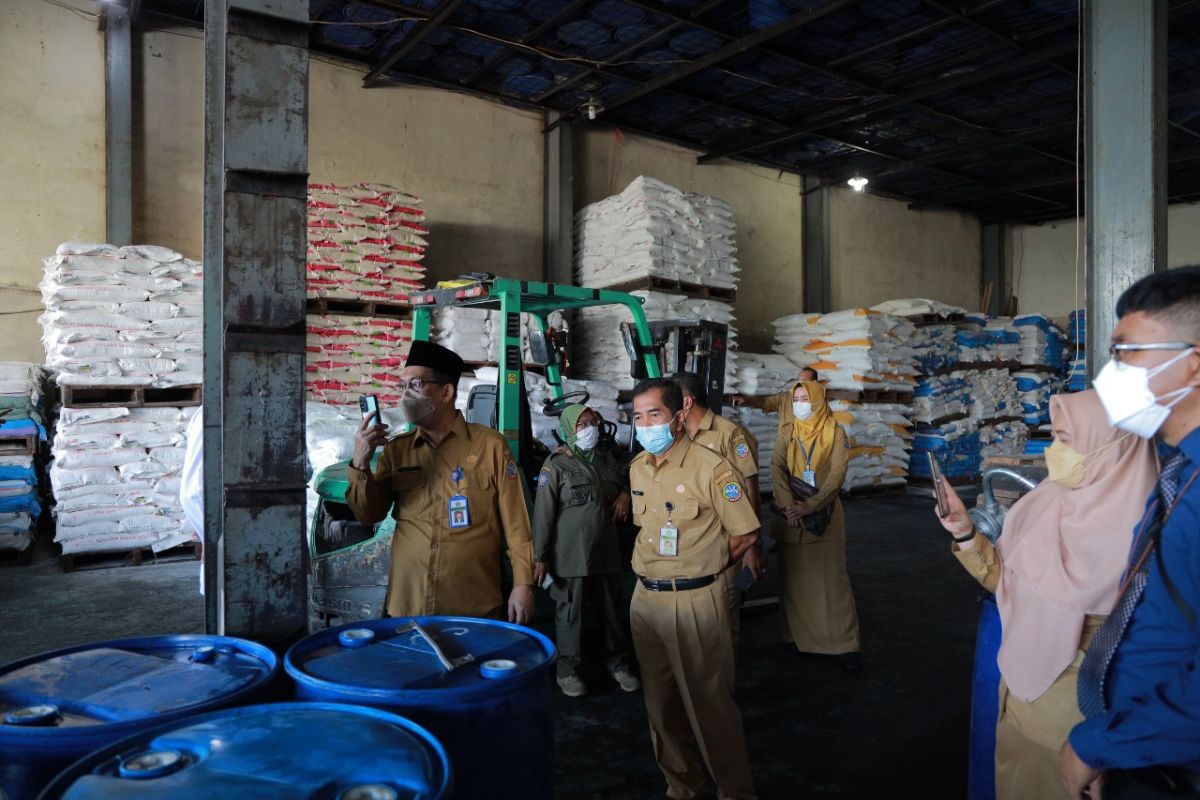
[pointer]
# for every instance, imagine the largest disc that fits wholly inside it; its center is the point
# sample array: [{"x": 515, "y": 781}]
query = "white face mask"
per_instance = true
[
  {"x": 415, "y": 406},
  {"x": 1129, "y": 401},
  {"x": 587, "y": 438},
  {"x": 802, "y": 410}
]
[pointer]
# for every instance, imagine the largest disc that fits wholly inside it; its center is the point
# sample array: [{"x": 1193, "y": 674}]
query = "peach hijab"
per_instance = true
[{"x": 1063, "y": 550}]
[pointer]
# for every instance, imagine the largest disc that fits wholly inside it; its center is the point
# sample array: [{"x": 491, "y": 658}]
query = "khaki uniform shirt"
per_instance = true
[
  {"x": 777, "y": 402},
  {"x": 437, "y": 569},
  {"x": 730, "y": 440},
  {"x": 573, "y": 529},
  {"x": 709, "y": 505}
]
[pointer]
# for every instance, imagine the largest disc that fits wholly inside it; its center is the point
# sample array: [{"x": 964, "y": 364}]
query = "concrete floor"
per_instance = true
[{"x": 897, "y": 729}]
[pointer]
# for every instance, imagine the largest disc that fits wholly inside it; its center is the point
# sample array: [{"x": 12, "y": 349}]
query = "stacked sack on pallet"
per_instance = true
[
  {"x": 988, "y": 340},
  {"x": 652, "y": 229},
  {"x": 21, "y": 423},
  {"x": 349, "y": 356},
  {"x": 1003, "y": 439},
  {"x": 1036, "y": 389},
  {"x": 365, "y": 242},
  {"x": 600, "y": 352},
  {"x": 955, "y": 446},
  {"x": 856, "y": 349},
  {"x": 116, "y": 478},
  {"x": 1042, "y": 342},
  {"x": 122, "y": 316},
  {"x": 941, "y": 396},
  {"x": 879, "y": 436},
  {"x": 993, "y": 394},
  {"x": 933, "y": 337},
  {"x": 476, "y": 333},
  {"x": 1077, "y": 378}
]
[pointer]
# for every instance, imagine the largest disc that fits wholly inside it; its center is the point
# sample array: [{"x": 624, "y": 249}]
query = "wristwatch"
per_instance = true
[{"x": 964, "y": 539}]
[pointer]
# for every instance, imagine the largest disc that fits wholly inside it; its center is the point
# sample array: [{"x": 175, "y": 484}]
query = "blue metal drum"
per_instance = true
[
  {"x": 57, "y": 707},
  {"x": 286, "y": 751},
  {"x": 481, "y": 687},
  {"x": 985, "y": 704}
]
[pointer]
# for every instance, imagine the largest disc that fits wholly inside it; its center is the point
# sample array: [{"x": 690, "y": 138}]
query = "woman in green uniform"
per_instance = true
[{"x": 582, "y": 494}]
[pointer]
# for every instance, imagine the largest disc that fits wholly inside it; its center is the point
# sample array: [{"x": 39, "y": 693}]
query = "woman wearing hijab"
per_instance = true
[
  {"x": 582, "y": 494},
  {"x": 808, "y": 469},
  {"x": 1055, "y": 570}
]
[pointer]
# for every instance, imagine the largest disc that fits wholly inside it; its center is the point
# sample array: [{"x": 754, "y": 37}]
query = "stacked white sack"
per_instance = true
[
  {"x": 122, "y": 316},
  {"x": 879, "y": 436},
  {"x": 993, "y": 394},
  {"x": 365, "y": 242},
  {"x": 654, "y": 229},
  {"x": 986, "y": 340},
  {"x": 940, "y": 397},
  {"x": 600, "y": 351},
  {"x": 475, "y": 333},
  {"x": 116, "y": 478},
  {"x": 764, "y": 373},
  {"x": 1003, "y": 439},
  {"x": 20, "y": 393},
  {"x": 762, "y": 427},
  {"x": 919, "y": 307},
  {"x": 855, "y": 349},
  {"x": 349, "y": 356},
  {"x": 1043, "y": 343}
]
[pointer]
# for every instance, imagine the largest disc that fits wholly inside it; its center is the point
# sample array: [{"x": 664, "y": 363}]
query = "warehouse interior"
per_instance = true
[{"x": 1021, "y": 162}]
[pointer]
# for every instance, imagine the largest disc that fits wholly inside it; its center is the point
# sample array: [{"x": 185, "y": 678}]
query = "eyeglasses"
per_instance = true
[
  {"x": 416, "y": 384},
  {"x": 1115, "y": 350}
]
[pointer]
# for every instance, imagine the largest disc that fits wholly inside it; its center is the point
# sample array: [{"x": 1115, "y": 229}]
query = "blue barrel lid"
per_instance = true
[
  {"x": 124, "y": 683},
  {"x": 268, "y": 752},
  {"x": 398, "y": 664}
]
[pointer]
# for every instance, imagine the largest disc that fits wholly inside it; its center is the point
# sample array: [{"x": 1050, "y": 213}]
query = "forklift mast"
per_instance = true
[{"x": 689, "y": 345}]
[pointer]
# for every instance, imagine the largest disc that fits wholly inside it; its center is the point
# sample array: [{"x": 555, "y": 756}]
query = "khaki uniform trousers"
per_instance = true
[
  {"x": 682, "y": 641},
  {"x": 733, "y": 601}
]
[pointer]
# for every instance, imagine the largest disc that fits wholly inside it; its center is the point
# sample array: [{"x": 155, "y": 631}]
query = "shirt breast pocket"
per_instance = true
[
  {"x": 685, "y": 509},
  {"x": 639, "y": 508},
  {"x": 578, "y": 494}
]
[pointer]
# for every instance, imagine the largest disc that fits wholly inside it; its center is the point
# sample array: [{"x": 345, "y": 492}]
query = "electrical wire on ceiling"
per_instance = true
[{"x": 79, "y": 12}]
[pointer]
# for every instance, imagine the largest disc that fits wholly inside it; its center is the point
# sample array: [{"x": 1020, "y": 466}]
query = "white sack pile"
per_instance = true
[
  {"x": 855, "y": 349},
  {"x": 879, "y": 436},
  {"x": 919, "y": 307},
  {"x": 993, "y": 394},
  {"x": 365, "y": 242},
  {"x": 122, "y": 316},
  {"x": 1042, "y": 342},
  {"x": 1003, "y": 439},
  {"x": 940, "y": 397},
  {"x": 655, "y": 229},
  {"x": 764, "y": 373},
  {"x": 600, "y": 351},
  {"x": 116, "y": 478},
  {"x": 987, "y": 340},
  {"x": 349, "y": 356},
  {"x": 475, "y": 333}
]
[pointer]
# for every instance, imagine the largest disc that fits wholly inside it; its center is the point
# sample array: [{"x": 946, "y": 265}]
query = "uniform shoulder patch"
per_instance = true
[
  {"x": 732, "y": 491},
  {"x": 741, "y": 449},
  {"x": 724, "y": 476},
  {"x": 544, "y": 476},
  {"x": 510, "y": 469}
]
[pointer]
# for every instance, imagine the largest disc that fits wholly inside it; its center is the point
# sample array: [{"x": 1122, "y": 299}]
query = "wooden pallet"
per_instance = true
[
  {"x": 26, "y": 445},
  {"x": 654, "y": 283},
  {"x": 131, "y": 396},
  {"x": 870, "y": 396},
  {"x": 135, "y": 557},
  {"x": 359, "y": 308}
]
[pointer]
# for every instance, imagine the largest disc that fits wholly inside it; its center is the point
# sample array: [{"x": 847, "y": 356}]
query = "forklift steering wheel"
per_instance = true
[{"x": 554, "y": 408}]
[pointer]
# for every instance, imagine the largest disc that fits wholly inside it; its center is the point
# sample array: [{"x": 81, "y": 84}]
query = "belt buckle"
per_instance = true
[{"x": 650, "y": 584}]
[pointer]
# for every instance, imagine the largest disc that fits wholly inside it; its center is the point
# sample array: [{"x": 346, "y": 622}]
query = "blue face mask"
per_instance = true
[{"x": 656, "y": 438}]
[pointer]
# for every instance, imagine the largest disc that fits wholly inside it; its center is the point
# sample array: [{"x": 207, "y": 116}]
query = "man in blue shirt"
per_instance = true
[{"x": 1139, "y": 686}]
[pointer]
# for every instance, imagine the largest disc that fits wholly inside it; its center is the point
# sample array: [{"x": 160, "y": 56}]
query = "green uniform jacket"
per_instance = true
[{"x": 573, "y": 531}]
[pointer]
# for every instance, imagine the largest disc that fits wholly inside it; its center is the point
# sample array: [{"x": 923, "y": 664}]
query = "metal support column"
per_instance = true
[
  {"x": 118, "y": 124},
  {"x": 818, "y": 273},
  {"x": 559, "y": 200},
  {"x": 992, "y": 272},
  {"x": 1125, "y": 70},
  {"x": 256, "y": 165}
]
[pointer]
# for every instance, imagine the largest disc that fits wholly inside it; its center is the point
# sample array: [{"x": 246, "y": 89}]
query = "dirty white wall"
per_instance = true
[
  {"x": 51, "y": 152},
  {"x": 880, "y": 250}
]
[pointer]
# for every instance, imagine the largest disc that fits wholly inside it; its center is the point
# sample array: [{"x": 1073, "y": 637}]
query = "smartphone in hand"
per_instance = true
[
  {"x": 745, "y": 579},
  {"x": 939, "y": 485},
  {"x": 369, "y": 405}
]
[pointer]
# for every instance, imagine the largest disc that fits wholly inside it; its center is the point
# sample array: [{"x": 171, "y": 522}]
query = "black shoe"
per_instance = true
[{"x": 852, "y": 662}]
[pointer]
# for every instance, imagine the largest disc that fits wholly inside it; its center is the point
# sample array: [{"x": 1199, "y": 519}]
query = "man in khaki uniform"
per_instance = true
[
  {"x": 694, "y": 517},
  {"x": 456, "y": 492},
  {"x": 737, "y": 446}
]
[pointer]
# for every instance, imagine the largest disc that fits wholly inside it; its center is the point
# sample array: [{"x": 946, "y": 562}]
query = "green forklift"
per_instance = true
[{"x": 349, "y": 561}]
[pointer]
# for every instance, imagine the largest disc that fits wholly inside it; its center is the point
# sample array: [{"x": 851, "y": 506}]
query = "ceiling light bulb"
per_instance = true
[
  {"x": 857, "y": 183},
  {"x": 593, "y": 108}
]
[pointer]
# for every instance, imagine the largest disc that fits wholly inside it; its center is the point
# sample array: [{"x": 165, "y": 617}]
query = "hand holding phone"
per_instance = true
[
  {"x": 939, "y": 486},
  {"x": 369, "y": 405},
  {"x": 371, "y": 433}
]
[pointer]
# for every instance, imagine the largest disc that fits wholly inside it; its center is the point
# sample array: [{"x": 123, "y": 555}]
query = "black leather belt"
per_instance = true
[{"x": 677, "y": 584}]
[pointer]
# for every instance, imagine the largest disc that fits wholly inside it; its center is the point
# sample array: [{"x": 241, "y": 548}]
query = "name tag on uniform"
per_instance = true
[
  {"x": 668, "y": 541},
  {"x": 460, "y": 513},
  {"x": 809, "y": 476}
]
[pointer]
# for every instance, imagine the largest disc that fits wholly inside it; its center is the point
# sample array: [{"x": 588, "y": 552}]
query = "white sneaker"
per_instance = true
[
  {"x": 573, "y": 686},
  {"x": 626, "y": 679}
]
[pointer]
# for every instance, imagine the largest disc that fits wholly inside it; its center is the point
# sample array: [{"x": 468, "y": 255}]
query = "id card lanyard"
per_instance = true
[
  {"x": 809, "y": 476},
  {"x": 668, "y": 535},
  {"x": 458, "y": 511}
]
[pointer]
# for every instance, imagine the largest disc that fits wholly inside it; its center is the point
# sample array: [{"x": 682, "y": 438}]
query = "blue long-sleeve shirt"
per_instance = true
[{"x": 1153, "y": 686}]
